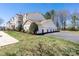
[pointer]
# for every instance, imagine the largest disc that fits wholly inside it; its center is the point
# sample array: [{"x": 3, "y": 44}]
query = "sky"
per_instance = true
[{"x": 8, "y": 10}]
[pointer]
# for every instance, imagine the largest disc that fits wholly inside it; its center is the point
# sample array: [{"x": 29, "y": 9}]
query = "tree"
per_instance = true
[
  {"x": 74, "y": 19},
  {"x": 33, "y": 28},
  {"x": 47, "y": 15},
  {"x": 52, "y": 13},
  {"x": 57, "y": 21},
  {"x": 63, "y": 18},
  {"x": 54, "y": 16}
]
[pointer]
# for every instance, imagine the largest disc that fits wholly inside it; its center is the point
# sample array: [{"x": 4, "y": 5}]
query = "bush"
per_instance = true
[
  {"x": 72, "y": 29},
  {"x": 19, "y": 28},
  {"x": 33, "y": 28}
]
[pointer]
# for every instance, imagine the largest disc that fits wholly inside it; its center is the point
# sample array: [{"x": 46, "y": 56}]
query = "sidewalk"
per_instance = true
[{"x": 5, "y": 39}]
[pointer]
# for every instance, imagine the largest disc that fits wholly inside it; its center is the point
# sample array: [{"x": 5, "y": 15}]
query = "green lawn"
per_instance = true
[
  {"x": 75, "y": 32},
  {"x": 38, "y": 45}
]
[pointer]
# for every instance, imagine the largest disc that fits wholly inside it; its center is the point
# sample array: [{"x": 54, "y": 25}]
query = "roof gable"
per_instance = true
[{"x": 35, "y": 17}]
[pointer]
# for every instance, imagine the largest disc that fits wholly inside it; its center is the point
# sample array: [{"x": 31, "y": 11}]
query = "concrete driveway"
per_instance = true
[
  {"x": 66, "y": 35},
  {"x": 5, "y": 39}
]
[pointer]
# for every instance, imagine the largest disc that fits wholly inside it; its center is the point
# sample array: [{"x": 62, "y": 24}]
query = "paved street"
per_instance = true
[
  {"x": 5, "y": 39},
  {"x": 66, "y": 35}
]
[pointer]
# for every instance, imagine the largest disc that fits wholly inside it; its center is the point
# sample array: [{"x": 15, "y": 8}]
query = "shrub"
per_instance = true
[
  {"x": 33, "y": 28},
  {"x": 19, "y": 28},
  {"x": 72, "y": 29}
]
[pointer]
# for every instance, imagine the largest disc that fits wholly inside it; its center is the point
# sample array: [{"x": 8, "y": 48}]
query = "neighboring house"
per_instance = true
[
  {"x": 18, "y": 19},
  {"x": 44, "y": 25},
  {"x": 31, "y": 17},
  {"x": 8, "y": 25},
  {"x": 14, "y": 22},
  {"x": 26, "y": 25}
]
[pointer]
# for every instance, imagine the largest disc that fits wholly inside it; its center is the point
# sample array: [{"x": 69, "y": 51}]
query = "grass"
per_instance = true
[
  {"x": 35, "y": 45},
  {"x": 73, "y": 32}
]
